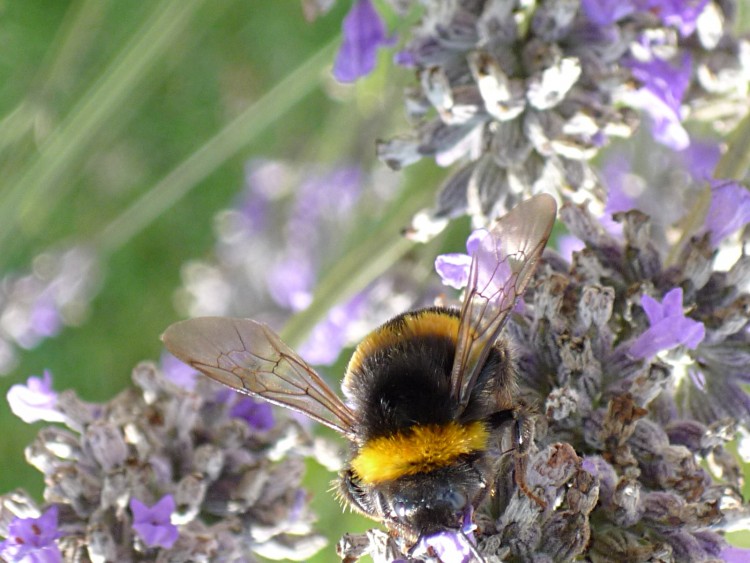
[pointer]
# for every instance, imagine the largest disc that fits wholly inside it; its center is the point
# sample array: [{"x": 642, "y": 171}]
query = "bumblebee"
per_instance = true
[{"x": 430, "y": 394}]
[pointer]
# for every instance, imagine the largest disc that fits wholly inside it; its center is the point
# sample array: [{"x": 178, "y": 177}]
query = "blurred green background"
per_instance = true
[{"x": 127, "y": 125}]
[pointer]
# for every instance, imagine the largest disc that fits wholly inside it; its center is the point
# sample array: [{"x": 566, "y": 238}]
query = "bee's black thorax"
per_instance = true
[{"x": 400, "y": 374}]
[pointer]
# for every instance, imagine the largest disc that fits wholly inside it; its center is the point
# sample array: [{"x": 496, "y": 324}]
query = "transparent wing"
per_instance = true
[
  {"x": 501, "y": 268},
  {"x": 248, "y": 356}
]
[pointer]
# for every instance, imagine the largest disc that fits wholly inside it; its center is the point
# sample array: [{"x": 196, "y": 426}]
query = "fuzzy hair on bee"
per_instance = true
[{"x": 429, "y": 396}]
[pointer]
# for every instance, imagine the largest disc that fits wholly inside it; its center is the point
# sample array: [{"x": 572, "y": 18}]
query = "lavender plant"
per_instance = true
[
  {"x": 162, "y": 472},
  {"x": 632, "y": 348},
  {"x": 524, "y": 95},
  {"x": 36, "y": 305}
]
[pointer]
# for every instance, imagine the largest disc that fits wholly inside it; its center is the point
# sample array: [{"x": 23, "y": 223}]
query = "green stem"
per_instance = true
[
  {"x": 372, "y": 253},
  {"x": 736, "y": 161},
  {"x": 225, "y": 144},
  {"x": 67, "y": 144},
  {"x": 70, "y": 42}
]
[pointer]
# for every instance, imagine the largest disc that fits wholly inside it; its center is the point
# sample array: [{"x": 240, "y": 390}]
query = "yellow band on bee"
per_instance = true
[{"x": 418, "y": 450}]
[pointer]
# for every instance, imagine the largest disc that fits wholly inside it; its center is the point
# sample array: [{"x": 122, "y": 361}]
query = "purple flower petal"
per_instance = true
[
  {"x": 450, "y": 547},
  {"x": 178, "y": 372},
  {"x": 567, "y": 245},
  {"x": 680, "y": 14},
  {"x": 364, "y": 33},
  {"x": 652, "y": 308},
  {"x": 606, "y": 12},
  {"x": 672, "y": 303},
  {"x": 663, "y": 87},
  {"x": 32, "y": 540},
  {"x": 729, "y": 210},
  {"x": 669, "y": 326},
  {"x": 700, "y": 159},
  {"x": 735, "y": 554},
  {"x": 474, "y": 240},
  {"x": 35, "y": 401},
  {"x": 153, "y": 524},
  {"x": 329, "y": 336},
  {"x": 453, "y": 269}
]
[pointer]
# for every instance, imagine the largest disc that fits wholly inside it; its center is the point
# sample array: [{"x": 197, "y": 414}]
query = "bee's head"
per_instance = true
[{"x": 429, "y": 502}]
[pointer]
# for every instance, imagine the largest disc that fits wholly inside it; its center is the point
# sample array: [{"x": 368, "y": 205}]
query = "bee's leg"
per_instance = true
[
  {"x": 354, "y": 496},
  {"x": 523, "y": 438}
]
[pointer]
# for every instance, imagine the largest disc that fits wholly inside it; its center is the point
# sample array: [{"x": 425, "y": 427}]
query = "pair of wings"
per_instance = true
[{"x": 249, "y": 357}]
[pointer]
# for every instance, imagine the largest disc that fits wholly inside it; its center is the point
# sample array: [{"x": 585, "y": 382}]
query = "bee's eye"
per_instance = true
[
  {"x": 400, "y": 508},
  {"x": 455, "y": 499}
]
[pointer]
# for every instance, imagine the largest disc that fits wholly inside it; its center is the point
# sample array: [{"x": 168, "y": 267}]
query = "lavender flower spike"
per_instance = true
[
  {"x": 669, "y": 326},
  {"x": 153, "y": 524},
  {"x": 32, "y": 540},
  {"x": 364, "y": 32},
  {"x": 35, "y": 401}
]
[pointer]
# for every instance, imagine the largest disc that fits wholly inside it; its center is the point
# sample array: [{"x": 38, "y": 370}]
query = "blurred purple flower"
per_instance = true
[
  {"x": 258, "y": 414},
  {"x": 606, "y": 12},
  {"x": 618, "y": 177},
  {"x": 700, "y": 159},
  {"x": 153, "y": 524},
  {"x": 364, "y": 33},
  {"x": 36, "y": 400},
  {"x": 729, "y": 210},
  {"x": 178, "y": 372},
  {"x": 663, "y": 87},
  {"x": 453, "y": 268},
  {"x": 264, "y": 181},
  {"x": 290, "y": 282},
  {"x": 45, "y": 318},
  {"x": 405, "y": 58},
  {"x": 669, "y": 326},
  {"x": 680, "y": 14},
  {"x": 322, "y": 196},
  {"x": 329, "y": 336},
  {"x": 616, "y": 172},
  {"x": 32, "y": 540},
  {"x": 567, "y": 245},
  {"x": 339, "y": 194},
  {"x": 735, "y": 554}
]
